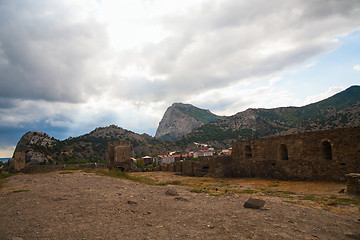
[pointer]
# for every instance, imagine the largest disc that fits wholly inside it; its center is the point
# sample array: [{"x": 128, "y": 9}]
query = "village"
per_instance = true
[{"x": 203, "y": 151}]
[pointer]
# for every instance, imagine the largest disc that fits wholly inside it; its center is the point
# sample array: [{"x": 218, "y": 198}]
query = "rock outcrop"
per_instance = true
[
  {"x": 30, "y": 143},
  {"x": 180, "y": 119}
]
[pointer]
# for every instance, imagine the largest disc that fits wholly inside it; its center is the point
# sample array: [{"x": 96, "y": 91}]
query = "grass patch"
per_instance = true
[
  {"x": 274, "y": 185},
  {"x": 6, "y": 175},
  {"x": 66, "y": 172},
  {"x": 249, "y": 191},
  {"x": 88, "y": 170},
  {"x": 310, "y": 198},
  {"x": 3, "y": 177},
  {"x": 72, "y": 168},
  {"x": 175, "y": 182},
  {"x": 21, "y": 190},
  {"x": 347, "y": 201},
  {"x": 286, "y": 192}
]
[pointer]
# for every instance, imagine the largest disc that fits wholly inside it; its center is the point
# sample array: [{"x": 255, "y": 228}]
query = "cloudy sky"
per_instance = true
[{"x": 69, "y": 66}]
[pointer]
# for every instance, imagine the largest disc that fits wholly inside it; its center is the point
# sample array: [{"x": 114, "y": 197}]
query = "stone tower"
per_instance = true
[{"x": 119, "y": 156}]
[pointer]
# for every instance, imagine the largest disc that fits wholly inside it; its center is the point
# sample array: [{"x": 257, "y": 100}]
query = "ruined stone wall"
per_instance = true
[
  {"x": 322, "y": 155},
  {"x": 119, "y": 155},
  {"x": 19, "y": 160},
  {"x": 170, "y": 168},
  {"x": 177, "y": 166},
  {"x": 218, "y": 166},
  {"x": 187, "y": 168}
]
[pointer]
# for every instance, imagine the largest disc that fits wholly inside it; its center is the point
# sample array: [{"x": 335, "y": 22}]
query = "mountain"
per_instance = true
[
  {"x": 91, "y": 147},
  {"x": 180, "y": 119},
  {"x": 339, "y": 111},
  {"x": 34, "y": 143}
]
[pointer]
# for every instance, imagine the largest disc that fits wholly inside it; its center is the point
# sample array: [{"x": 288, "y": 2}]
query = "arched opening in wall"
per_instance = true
[
  {"x": 283, "y": 152},
  {"x": 325, "y": 150},
  {"x": 248, "y": 151},
  {"x": 122, "y": 169}
]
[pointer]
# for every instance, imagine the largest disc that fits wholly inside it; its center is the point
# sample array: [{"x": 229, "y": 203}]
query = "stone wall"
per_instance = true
[
  {"x": 353, "y": 183},
  {"x": 177, "y": 166},
  {"x": 119, "y": 156},
  {"x": 321, "y": 155},
  {"x": 19, "y": 160},
  {"x": 187, "y": 168}
]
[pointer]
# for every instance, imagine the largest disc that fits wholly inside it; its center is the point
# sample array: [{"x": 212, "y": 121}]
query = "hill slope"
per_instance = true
[
  {"x": 180, "y": 119},
  {"x": 338, "y": 111},
  {"x": 41, "y": 149}
]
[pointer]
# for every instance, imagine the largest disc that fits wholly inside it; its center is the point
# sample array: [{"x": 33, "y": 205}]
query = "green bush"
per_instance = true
[{"x": 140, "y": 164}]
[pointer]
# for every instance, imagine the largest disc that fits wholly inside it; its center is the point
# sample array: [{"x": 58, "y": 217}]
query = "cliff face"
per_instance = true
[
  {"x": 180, "y": 119},
  {"x": 31, "y": 142}
]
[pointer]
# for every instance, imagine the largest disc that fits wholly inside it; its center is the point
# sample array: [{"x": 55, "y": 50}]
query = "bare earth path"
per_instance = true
[{"x": 81, "y": 205}]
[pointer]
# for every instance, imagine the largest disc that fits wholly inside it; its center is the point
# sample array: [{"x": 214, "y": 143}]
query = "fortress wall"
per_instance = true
[
  {"x": 322, "y": 155},
  {"x": 187, "y": 168},
  {"x": 19, "y": 160},
  {"x": 215, "y": 166},
  {"x": 178, "y": 166},
  {"x": 171, "y": 167},
  {"x": 119, "y": 156}
]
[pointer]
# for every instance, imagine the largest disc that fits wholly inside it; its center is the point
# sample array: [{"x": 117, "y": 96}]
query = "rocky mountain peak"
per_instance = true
[
  {"x": 33, "y": 138},
  {"x": 31, "y": 141},
  {"x": 180, "y": 119}
]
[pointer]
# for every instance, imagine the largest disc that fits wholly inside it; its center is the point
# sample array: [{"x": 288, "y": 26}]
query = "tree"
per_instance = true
[{"x": 140, "y": 163}]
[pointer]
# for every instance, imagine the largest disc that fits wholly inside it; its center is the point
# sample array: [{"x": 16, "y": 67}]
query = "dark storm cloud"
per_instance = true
[
  {"x": 46, "y": 53},
  {"x": 224, "y": 42},
  {"x": 59, "y": 67}
]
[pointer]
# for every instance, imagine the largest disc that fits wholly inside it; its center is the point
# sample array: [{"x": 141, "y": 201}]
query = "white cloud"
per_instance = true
[
  {"x": 318, "y": 97},
  {"x": 239, "y": 97},
  {"x": 309, "y": 65},
  {"x": 357, "y": 67},
  {"x": 83, "y": 64},
  {"x": 7, "y": 152},
  {"x": 73, "y": 50}
]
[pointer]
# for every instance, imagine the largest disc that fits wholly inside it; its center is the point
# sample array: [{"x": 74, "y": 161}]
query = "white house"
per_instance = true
[
  {"x": 165, "y": 159},
  {"x": 203, "y": 153}
]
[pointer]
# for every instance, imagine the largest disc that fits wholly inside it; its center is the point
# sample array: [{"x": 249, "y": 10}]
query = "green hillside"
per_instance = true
[
  {"x": 202, "y": 115},
  {"x": 340, "y": 110}
]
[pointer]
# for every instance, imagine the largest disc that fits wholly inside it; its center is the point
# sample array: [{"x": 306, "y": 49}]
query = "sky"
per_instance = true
[{"x": 67, "y": 67}]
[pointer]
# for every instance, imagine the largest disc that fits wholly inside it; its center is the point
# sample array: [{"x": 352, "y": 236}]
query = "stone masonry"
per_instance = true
[
  {"x": 320, "y": 155},
  {"x": 19, "y": 160},
  {"x": 119, "y": 156}
]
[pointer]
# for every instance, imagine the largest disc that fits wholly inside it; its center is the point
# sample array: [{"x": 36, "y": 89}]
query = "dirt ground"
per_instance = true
[{"x": 84, "y": 205}]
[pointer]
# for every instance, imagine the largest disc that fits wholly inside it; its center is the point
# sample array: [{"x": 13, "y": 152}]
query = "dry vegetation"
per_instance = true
[{"x": 327, "y": 195}]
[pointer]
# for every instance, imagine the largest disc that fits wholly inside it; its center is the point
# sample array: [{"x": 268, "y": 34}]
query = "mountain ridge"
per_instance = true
[{"x": 338, "y": 111}]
